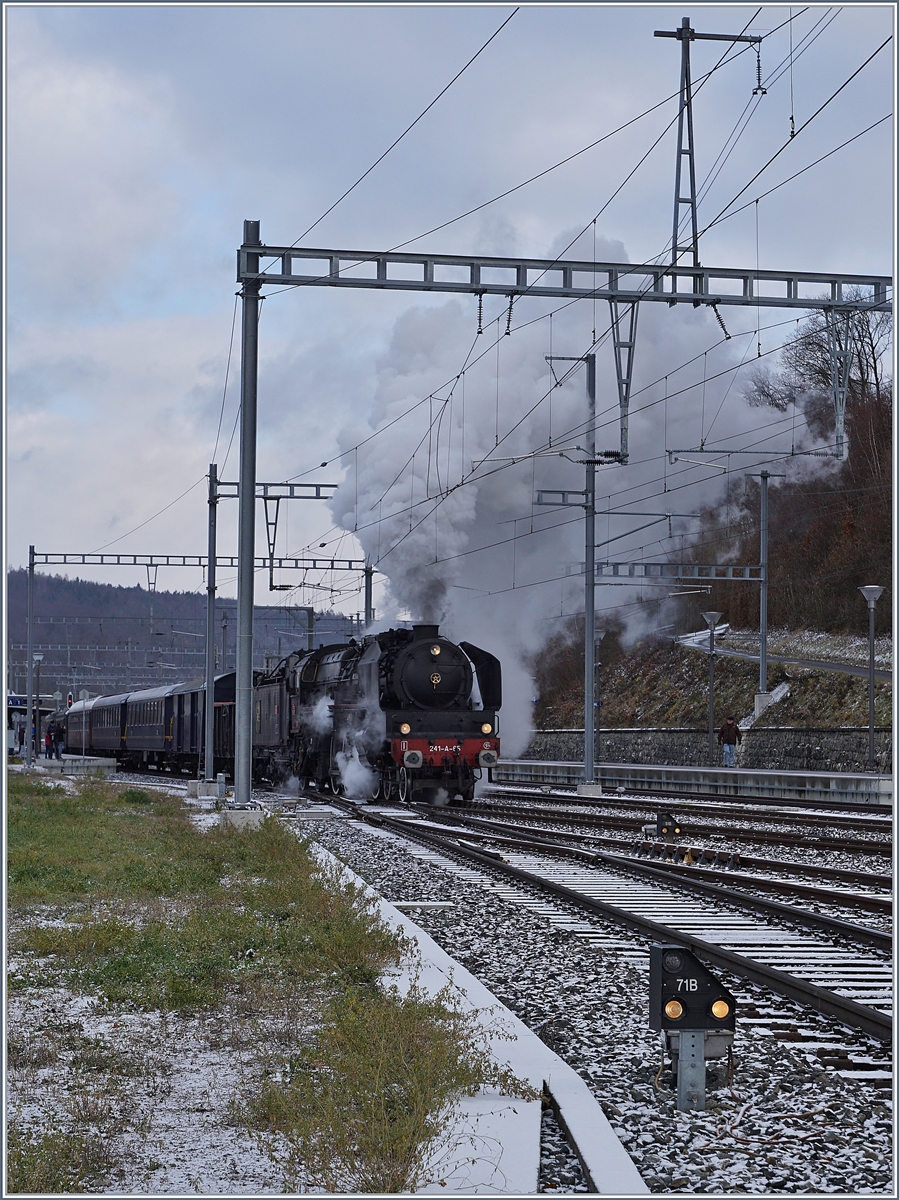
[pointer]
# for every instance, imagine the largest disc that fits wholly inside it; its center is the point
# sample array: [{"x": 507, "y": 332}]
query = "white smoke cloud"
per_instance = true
[
  {"x": 357, "y": 777},
  {"x": 481, "y": 558},
  {"x": 320, "y": 716}
]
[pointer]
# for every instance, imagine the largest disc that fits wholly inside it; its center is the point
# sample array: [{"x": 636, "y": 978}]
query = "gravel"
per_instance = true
[{"x": 784, "y": 1125}]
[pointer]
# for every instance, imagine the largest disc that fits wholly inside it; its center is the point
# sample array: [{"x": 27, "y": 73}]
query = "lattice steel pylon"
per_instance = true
[
  {"x": 685, "y": 35},
  {"x": 623, "y": 345}
]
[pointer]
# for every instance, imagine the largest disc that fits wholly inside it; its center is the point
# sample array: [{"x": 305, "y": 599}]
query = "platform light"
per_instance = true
[
  {"x": 486, "y": 727},
  {"x": 404, "y": 729}
]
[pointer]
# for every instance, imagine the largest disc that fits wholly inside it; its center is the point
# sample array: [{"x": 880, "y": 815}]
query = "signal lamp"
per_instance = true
[
  {"x": 673, "y": 961},
  {"x": 435, "y": 650},
  {"x": 486, "y": 728},
  {"x": 674, "y": 1009},
  {"x": 720, "y": 1009},
  {"x": 404, "y": 728}
]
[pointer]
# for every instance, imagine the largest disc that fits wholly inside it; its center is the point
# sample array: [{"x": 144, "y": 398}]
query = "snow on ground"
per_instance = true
[
  {"x": 815, "y": 643},
  {"x": 785, "y": 1125},
  {"x": 162, "y": 1099}
]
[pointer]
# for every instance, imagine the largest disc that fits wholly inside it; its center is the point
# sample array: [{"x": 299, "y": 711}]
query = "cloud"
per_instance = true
[{"x": 90, "y": 177}]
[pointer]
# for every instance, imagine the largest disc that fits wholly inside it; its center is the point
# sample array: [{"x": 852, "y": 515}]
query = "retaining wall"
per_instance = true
[{"x": 772, "y": 749}]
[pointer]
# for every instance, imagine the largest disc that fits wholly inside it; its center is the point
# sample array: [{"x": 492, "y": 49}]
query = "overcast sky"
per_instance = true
[{"x": 139, "y": 138}]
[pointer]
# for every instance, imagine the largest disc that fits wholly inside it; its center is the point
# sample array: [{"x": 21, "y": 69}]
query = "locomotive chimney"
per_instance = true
[{"x": 419, "y": 632}]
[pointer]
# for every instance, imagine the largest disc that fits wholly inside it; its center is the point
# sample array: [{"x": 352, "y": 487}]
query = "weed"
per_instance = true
[
  {"x": 96, "y": 1056},
  {"x": 57, "y": 1161},
  {"x": 33, "y": 1050},
  {"x": 89, "y": 1107},
  {"x": 360, "y": 1106},
  {"x": 135, "y": 796}
]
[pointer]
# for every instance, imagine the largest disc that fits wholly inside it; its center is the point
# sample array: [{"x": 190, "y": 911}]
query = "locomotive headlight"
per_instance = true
[
  {"x": 675, "y": 1009},
  {"x": 486, "y": 727},
  {"x": 404, "y": 729},
  {"x": 720, "y": 1009},
  {"x": 435, "y": 650}
]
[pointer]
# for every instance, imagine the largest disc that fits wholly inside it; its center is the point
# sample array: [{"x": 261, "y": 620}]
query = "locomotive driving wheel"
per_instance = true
[{"x": 403, "y": 786}]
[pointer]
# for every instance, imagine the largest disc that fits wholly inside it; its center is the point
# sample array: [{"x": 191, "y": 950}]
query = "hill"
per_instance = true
[{"x": 660, "y": 683}]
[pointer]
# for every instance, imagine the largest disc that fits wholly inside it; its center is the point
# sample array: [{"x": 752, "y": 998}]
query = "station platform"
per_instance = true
[
  {"x": 862, "y": 789},
  {"x": 494, "y": 1146},
  {"x": 77, "y": 764}
]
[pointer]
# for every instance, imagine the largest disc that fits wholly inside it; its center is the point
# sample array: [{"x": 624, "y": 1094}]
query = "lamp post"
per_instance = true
[
  {"x": 711, "y": 619},
  {"x": 598, "y": 635},
  {"x": 36, "y": 716},
  {"x": 872, "y": 594}
]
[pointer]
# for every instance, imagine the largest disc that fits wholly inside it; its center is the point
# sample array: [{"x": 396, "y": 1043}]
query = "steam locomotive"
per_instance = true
[{"x": 400, "y": 714}]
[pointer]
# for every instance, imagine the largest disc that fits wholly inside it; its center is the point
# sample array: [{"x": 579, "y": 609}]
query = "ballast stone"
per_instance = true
[{"x": 495, "y": 1148}]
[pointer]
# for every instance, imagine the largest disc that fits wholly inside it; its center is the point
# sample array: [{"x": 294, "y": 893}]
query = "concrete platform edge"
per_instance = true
[
  {"x": 606, "y": 1163},
  {"x": 857, "y": 788}
]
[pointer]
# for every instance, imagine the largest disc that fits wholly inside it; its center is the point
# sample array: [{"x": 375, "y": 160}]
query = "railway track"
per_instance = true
[
  {"x": 785, "y": 813},
  {"x": 578, "y": 814},
  {"x": 712, "y": 864},
  {"x": 817, "y": 970}
]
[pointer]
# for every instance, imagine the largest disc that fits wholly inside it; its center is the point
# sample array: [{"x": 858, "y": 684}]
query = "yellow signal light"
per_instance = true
[
  {"x": 674, "y": 1009},
  {"x": 720, "y": 1009}
]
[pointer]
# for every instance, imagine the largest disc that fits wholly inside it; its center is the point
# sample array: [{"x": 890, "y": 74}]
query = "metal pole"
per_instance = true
[
  {"x": 37, "y": 723},
  {"x": 763, "y": 584},
  {"x": 712, "y": 696},
  {"x": 209, "y": 699},
  {"x": 711, "y": 619},
  {"x": 246, "y": 542},
  {"x": 590, "y": 571},
  {"x": 369, "y": 610},
  {"x": 871, "y": 686},
  {"x": 30, "y": 685},
  {"x": 872, "y": 594},
  {"x": 683, "y": 108},
  {"x": 597, "y": 706}
]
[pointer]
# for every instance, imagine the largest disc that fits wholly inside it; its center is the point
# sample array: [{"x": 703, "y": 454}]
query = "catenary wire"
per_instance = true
[
  {"x": 758, "y": 173},
  {"x": 408, "y": 129}
]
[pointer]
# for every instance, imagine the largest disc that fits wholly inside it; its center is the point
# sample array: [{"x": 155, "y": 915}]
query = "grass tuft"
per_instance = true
[
  {"x": 56, "y": 1161},
  {"x": 361, "y": 1105},
  {"x": 135, "y": 796}
]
